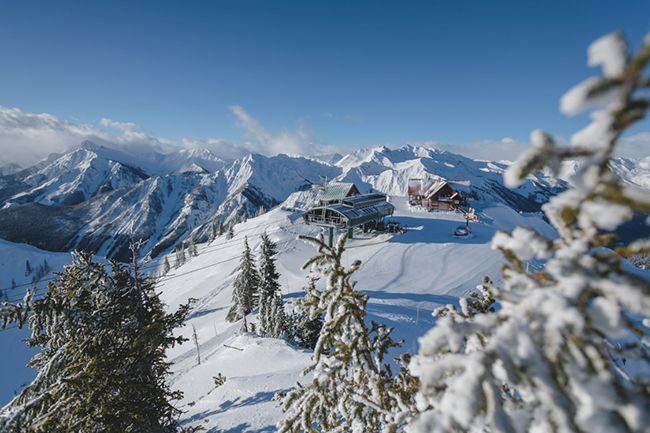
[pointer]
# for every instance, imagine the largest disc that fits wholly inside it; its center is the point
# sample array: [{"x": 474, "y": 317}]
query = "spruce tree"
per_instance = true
[
  {"x": 28, "y": 268},
  {"x": 231, "y": 232},
  {"x": 303, "y": 329},
  {"x": 213, "y": 233},
  {"x": 269, "y": 299},
  {"x": 245, "y": 287},
  {"x": 166, "y": 266},
  {"x": 191, "y": 247},
  {"x": 102, "y": 337},
  {"x": 553, "y": 357},
  {"x": 352, "y": 389},
  {"x": 180, "y": 256}
]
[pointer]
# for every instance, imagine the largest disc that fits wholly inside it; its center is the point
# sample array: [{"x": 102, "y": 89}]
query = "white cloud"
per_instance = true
[
  {"x": 635, "y": 146},
  {"x": 506, "y": 149},
  {"x": 26, "y": 138},
  {"x": 260, "y": 140}
]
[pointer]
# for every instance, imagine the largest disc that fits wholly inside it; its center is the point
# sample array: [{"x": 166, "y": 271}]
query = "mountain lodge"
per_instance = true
[{"x": 436, "y": 195}]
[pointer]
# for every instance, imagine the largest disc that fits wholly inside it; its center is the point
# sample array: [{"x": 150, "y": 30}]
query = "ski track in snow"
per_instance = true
[{"x": 406, "y": 276}]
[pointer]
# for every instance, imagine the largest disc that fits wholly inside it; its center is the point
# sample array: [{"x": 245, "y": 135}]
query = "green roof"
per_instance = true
[{"x": 335, "y": 191}]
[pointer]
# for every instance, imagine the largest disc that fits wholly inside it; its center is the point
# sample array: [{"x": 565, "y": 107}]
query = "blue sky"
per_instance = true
[{"x": 348, "y": 73}]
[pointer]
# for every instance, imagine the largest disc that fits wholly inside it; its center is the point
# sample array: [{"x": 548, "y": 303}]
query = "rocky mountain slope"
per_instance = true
[{"x": 98, "y": 198}]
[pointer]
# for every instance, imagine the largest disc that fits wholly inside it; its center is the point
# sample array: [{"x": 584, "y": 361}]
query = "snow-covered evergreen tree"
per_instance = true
[
  {"x": 231, "y": 231},
  {"x": 276, "y": 325},
  {"x": 269, "y": 299},
  {"x": 181, "y": 258},
  {"x": 245, "y": 286},
  {"x": 352, "y": 389},
  {"x": 166, "y": 266},
  {"x": 191, "y": 247},
  {"x": 550, "y": 358},
  {"x": 28, "y": 268},
  {"x": 195, "y": 340},
  {"x": 101, "y": 367},
  {"x": 303, "y": 329}
]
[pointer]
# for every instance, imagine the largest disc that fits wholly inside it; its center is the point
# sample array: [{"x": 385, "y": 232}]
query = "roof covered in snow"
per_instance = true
[{"x": 337, "y": 191}]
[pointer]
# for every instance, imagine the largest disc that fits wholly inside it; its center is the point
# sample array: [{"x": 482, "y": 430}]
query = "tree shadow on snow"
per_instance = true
[
  {"x": 415, "y": 297},
  {"x": 200, "y": 313},
  {"x": 260, "y": 397},
  {"x": 243, "y": 428}
]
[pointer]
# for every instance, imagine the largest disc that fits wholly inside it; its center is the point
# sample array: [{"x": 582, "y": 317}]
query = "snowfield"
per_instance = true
[{"x": 405, "y": 275}]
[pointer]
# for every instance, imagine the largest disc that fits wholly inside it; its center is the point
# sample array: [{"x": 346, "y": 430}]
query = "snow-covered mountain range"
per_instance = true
[{"x": 97, "y": 198}]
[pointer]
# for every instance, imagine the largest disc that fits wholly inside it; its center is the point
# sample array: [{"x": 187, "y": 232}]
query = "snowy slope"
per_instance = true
[
  {"x": 406, "y": 277},
  {"x": 14, "y": 374}
]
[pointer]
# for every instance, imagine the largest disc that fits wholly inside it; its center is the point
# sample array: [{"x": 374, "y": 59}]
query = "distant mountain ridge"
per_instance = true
[{"x": 97, "y": 198}]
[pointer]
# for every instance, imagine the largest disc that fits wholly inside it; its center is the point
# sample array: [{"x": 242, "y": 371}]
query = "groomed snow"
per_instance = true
[{"x": 406, "y": 277}]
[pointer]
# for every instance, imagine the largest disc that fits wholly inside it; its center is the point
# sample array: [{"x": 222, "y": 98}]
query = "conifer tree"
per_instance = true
[
  {"x": 166, "y": 266},
  {"x": 101, "y": 367},
  {"x": 213, "y": 233},
  {"x": 303, "y": 329},
  {"x": 245, "y": 287},
  {"x": 269, "y": 299},
  {"x": 195, "y": 339},
  {"x": 352, "y": 389},
  {"x": 231, "y": 232},
  {"x": 13, "y": 284},
  {"x": 551, "y": 358},
  {"x": 28, "y": 268},
  {"x": 180, "y": 256},
  {"x": 191, "y": 247},
  {"x": 222, "y": 230}
]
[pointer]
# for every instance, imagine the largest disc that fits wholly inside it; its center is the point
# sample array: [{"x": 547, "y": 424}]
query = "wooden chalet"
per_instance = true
[
  {"x": 436, "y": 195},
  {"x": 440, "y": 196}
]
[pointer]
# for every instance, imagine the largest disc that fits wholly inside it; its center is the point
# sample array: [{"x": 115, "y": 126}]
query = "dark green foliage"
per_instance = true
[
  {"x": 269, "y": 299},
  {"x": 352, "y": 389},
  {"x": 102, "y": 368},
  {"x": 479, "y": 301},
  {"x": 166, "y": 266},
  {"x": 245, "y": 287},
  {"x": 303, "y": 329}
]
